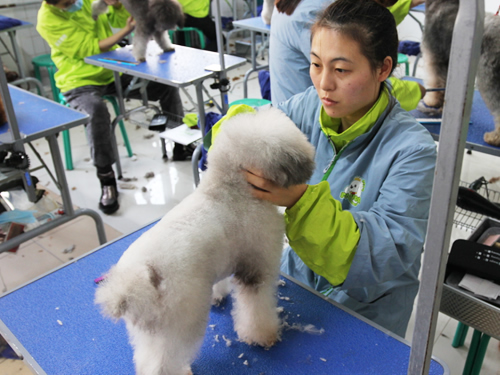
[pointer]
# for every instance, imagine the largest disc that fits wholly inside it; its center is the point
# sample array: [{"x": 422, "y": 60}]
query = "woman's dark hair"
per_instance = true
[
  {"x": 286, "y": 6},
  {"x": 52, "y": 2},
  {"x": 368, "y": 23}
]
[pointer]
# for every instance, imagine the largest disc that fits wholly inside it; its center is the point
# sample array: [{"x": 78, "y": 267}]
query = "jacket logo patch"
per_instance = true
[{"x": 353, "y": 191}]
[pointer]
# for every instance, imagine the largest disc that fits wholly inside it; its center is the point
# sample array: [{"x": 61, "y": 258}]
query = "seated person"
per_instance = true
[
  {"x": 72, "y": 34},
  {"x": 197, "y": 14}
]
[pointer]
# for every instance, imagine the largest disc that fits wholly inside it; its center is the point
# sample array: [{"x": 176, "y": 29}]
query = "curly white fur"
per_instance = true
[{"x": 163, "y": 284}]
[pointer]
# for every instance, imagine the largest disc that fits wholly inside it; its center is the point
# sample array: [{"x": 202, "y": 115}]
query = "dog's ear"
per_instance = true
[{"x": 292, "y": 167}]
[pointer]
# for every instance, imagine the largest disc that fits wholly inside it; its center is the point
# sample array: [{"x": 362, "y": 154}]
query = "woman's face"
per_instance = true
[{"x": 343, "y": 77}]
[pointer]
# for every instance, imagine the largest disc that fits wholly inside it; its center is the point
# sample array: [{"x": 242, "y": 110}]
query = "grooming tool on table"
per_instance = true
[{"x": 120, "y": 62}]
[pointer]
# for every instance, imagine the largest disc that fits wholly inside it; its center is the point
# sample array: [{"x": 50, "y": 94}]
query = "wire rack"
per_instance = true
[{"x": 468, "y": 220}]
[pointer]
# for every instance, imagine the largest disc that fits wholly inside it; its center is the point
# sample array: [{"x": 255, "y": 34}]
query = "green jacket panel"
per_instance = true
[
  {"x": 400, "y": 10},
  {"x": 196, "y": 8},
  {"x": 74, "y": 36}
]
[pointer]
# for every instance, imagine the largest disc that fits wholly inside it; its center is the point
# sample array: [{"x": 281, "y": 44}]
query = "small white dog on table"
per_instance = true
[{"x": 165, "y": 282}]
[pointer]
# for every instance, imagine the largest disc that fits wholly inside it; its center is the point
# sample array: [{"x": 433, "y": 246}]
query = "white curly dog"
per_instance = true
[{"x": 163, "y": 284}]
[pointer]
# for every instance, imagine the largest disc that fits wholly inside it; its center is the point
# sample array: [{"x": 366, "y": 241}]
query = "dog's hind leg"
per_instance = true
[
  {"x": 254, "y": 312},
  {"x": 435, "y": 79},
  {"x": 171, "y": 345},
  {"x": 163, "y": 40}
]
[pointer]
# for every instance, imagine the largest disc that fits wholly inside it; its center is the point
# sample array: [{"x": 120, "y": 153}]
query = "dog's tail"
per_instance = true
[
  {"x": 167, "y": 13},
  {"x": 129, "y": 293}
]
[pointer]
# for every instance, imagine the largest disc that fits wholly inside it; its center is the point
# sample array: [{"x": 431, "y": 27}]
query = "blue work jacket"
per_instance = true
[{"x": 393, "y": 167}]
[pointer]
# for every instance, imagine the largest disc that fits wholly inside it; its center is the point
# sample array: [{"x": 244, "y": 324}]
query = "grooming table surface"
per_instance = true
[
  {"x": 481, "y": 121},
  {"x": 253, "y": 24},
  {"x": 182, "y": 67},
  {"x": 55, "y": 325},
  {"x": 38, "y": 117}
]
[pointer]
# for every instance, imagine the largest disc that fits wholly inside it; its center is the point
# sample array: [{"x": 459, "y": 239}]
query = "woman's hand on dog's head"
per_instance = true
[{"x": 265, "y": 189}]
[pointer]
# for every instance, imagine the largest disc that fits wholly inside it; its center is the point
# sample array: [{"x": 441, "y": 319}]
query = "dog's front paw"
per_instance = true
[
  {"x": 139, "y": 58},
  {"x": 220, "y": 290},
  {"x": 493, "y": 138},
  {"x": 430, "y": 110},
  {"x": 264, "y": 339}
]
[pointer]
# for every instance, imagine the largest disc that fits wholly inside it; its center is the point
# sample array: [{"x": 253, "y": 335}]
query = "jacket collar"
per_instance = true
[{"x": 373, "y": 118}]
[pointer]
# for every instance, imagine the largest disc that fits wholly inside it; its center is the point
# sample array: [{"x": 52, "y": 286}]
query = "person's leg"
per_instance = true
[
  {"x": 171, "y": 105},
  {"x": 208, "y": 27},
  {"x": 88, "y": 99}
]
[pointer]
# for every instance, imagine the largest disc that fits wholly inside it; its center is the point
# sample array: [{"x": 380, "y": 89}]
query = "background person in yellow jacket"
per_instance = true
[
  {"x": 72, "y": 34},
  {"x": 197, "y": 14}
]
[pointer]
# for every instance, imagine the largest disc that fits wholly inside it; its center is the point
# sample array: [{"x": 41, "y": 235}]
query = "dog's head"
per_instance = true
[{"x": 267, "y": 141}]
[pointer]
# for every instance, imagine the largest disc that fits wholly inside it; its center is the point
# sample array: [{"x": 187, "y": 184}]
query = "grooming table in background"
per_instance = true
[
  {"x": 254, "y": 25},
  {"x": 180, "y": 68},
  {"x": 481, "y": 121},
  {"x": 53, "y": 323},
  {"x": 16, "y": 53},
  {"x": 36, "y": 118}
]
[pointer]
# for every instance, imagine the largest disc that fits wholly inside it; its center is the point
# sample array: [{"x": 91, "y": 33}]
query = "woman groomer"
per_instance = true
[{"x": 357, "y": 229}]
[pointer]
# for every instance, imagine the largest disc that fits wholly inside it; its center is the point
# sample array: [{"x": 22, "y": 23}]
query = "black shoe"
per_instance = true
[
  {"x": 182, "y": 152},
  {"x": 108, "y": 203}
]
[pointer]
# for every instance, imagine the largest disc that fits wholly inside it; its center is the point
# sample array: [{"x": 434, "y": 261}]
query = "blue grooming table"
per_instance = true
[
  {"x": 254, "y": 25},
  {"x": 16, "y": 53},
  {"x": 37, "y": 117},
  {"x": 53, "y": 323},
  {"x": 179, "y": 68},
  {"x": 481, "y": 121}
]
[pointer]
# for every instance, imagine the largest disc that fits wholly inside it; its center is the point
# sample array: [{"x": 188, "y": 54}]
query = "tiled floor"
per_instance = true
[{"x": 173, "y": 181}]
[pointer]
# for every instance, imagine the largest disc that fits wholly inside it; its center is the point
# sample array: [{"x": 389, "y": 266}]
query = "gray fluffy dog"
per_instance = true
[
  {"x": 440, "y": 18},
  {"x": 153, "y": 18},
  {"x": 164, "y": 283}
]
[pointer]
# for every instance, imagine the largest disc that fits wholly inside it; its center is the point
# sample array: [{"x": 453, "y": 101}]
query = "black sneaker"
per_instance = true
[{"x": 182, "y": 152}]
